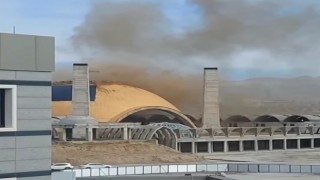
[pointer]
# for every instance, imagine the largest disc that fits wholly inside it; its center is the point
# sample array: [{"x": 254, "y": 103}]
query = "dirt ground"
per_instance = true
[{"x": 118, "y": 153}]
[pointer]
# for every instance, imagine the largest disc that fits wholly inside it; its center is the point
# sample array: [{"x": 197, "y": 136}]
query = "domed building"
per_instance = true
[{"x": 115, "y": 103}]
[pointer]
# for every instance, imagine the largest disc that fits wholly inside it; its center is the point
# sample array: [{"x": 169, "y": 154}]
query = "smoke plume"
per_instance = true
[{"x": 139, "y": 44}]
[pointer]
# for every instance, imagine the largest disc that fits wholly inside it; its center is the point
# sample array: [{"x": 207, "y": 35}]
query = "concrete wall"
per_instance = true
[
  {"x": 26, "y": 63},
  {"x": 26, "y": 52},
  {"x": 211, "y": 117},
  {"x": 207, "y": 146}
]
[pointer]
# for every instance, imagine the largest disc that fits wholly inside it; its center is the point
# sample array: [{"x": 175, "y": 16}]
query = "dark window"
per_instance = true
[
  {"x": 218, "y": 146},
  {"x": 248, "y": 145},
  {"x": 233, "y": 145},
  {"x": 292, "y": 144},
  {"x": 277, "y": 144},
  {"x": 263, "y": 145},
  {"x": 2, "y": 108},
  {"x": 317, "y": 143}
]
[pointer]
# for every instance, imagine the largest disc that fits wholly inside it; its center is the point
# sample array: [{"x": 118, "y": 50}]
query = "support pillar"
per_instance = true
[
  {"x": 256, "y": 148},
  {"x": 63, "y": 136},
  {"x": 209, "y": 147},
  {"x": 240, "y": 146},
  {"x": 193, "y": 147},
  {"x": 129, "y": 133},
  {"x": 312, "y": 143},
  {"x": 89, "y": 134},
  {"x": 270, "y": 145},
  {"x": 285, "y": 144},
  {"x": 225, "y": 148},
  {"x": 125, "y": 133},
  {"x": 298, "y": 144}
]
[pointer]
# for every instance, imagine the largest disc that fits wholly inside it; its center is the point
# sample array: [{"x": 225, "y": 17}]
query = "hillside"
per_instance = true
[{"x": 271, "y": 95}]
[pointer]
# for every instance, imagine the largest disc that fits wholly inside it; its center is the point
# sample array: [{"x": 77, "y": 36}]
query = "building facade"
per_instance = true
[{"x": 26, "y": 65}]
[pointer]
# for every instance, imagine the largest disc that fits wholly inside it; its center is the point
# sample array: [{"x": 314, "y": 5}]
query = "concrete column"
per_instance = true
[
  {"x": 129, "y": 133},
  {"x": 285, "y": 144},
  {"x": 209, "y": 147},
  {"x": 298, "y": 144},
  {"x": 211, "y": 117},
  {"x": 311, "y": 130},
  {"x": 299, "y": 130},
  {"x": 225, "y": 148},
  {"x": 193, "y": 147},
  {"x": 80, "y": 90},
  {"x": 89, "y": 134},
  {"x": 270, "y": 145},
  {"x": 240, "y": 146},
  {"x": 63, "y": 136},
  {"x": 256, "y": 148},
  {"x": 125, "y": 133},
  {"x": 312, "y": 143}
]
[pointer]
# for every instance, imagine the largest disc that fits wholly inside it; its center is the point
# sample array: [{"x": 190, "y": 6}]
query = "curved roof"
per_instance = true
[
  {"x": 296, "y": 118},
  {"x": 237, "y": 118},
  {"x": 266, "y": 118},
  {"x": 114, "y": 102}
]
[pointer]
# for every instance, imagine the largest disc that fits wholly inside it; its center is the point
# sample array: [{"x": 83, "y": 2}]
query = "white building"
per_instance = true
[{"x": 26, "y": 65}]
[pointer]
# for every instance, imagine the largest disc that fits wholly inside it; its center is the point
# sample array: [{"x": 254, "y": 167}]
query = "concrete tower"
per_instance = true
[
  {"x": 80, "y": 104},
  {"x": 80, "y": 90},
  {"x": 211, "y": 117}
]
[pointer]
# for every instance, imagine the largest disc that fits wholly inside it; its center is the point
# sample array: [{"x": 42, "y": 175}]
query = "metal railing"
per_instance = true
[{"x": 197, "y": 168}]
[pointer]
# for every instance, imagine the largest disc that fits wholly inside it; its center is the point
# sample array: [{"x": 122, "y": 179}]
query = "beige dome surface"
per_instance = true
[{"x": 114, "y": 102}]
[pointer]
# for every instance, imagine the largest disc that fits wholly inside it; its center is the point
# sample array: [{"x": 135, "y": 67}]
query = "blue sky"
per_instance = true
[{"x": 59, "y": 18}]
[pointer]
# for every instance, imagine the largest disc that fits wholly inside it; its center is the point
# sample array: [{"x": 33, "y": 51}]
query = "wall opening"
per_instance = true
[
  {"x": 202, "y": 147},
  {"x": 292, "y": 144},
  {"x": 8, "y": 108},
  {"x": 317, "y": 142},
  {"x": 305, "y": 143},
  {"x": 69, "y": 134},
  {"x": 248, "y": 145},
  {"x": 186, "y": 147},
  {"x": 233, "y": 146},
  {"x": 218, "y": 146},
  {"x": 263, "y": 144},
  {"x": 148, "y": 115},
  {"x": 277, "y": 144},
  {"x": 235, "y": 121}
]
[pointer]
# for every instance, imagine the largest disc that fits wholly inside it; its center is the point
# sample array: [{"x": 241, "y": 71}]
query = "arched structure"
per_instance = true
[
  {"x": 114, "y": 102},
  {"x": 234, "y": 121},
  {"x": 237, "y": 118},
  {"x": 165, "y": 136},
  {"x": 296, "y": 118},
  {"x": 181, "y": 117},
  {"x": 312, "y": 118},
  {"x": 266, "y": 118}
]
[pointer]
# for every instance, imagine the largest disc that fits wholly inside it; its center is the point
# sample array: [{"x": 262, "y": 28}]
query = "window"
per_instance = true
[
  {"x": 8, "y": 107},
  {"x": 2, "y": 108}
]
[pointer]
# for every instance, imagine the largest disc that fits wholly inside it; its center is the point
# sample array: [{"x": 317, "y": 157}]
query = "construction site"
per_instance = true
[
  {"x": 121, "y": 125},
  {"x": 135, "y": 131}
]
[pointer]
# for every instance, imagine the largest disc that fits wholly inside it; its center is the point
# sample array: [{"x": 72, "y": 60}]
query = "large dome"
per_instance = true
[{"x": 115, "y": 102}]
